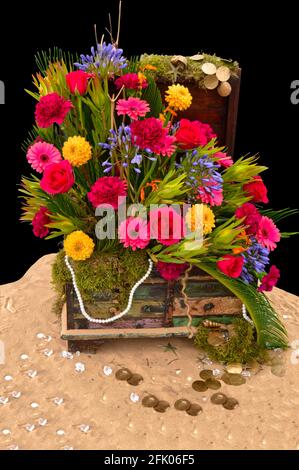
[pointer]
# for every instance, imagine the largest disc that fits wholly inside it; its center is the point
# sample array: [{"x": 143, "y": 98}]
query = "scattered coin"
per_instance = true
[
  {"x": 278, "y": 370},
  {"x": 162, "y": 406},
  {"x": 206, "y": 374},
  {"x": 236, "y": 379},
  {"x": 225, "y": 378},
  {"x": 230, "y": 404},
  {"x": 150, "y": 401},
  {"x": 134, "y": 397},
  {"x": 213, "y": 384},
  {"x": 182, "y": 404},
  {"x": 234, "y": 368},
  {"x": 218, "y": 398},
  {"x": 123, "y": 374},
  {"x": 135, "y": 379},
  {"x": 208, "y": 68},
  {"x": 194, "y": 409},
  {"x": 199, "y": 386},
  {"x": 223, "y": 73}
]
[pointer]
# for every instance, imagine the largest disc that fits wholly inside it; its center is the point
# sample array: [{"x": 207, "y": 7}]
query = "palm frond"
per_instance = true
[
  {"x": 44, "y": 58},
  {"x": 270, "y": 331},
  {"x": 278, "y": 215},
  {"x": 152, "y": 95}
]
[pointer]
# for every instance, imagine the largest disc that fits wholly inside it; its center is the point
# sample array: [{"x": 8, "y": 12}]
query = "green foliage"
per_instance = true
[
  {"x": 170, "y": 190},
  {"x": 243, "y": 170},
  {"x": 44, "y": 58},
  {"x": 241, "y": 347},
  {"x": 152, "y": 95},
  {"x": 102, "y": 273},
  {"x": 278, "y": 215},
  {"x": 270, "y": 331},
  {"x": 168, "y": 73}
]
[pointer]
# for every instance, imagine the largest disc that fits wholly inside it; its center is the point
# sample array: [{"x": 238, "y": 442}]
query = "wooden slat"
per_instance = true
[
  {"x": 98, "y": 334},
  {"x": 208, "y": 306}
]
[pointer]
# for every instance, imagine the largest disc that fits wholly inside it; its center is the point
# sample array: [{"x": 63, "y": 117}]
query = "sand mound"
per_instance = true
[{"x": 46, "y": 404}]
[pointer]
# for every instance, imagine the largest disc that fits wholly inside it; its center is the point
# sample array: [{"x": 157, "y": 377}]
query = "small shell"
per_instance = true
[
  {"x": 197, "y": 57},
  {"x": 224, "y": 89},
  {"x": 208, "y": 68},
  {"x": 179, "y": 60}
]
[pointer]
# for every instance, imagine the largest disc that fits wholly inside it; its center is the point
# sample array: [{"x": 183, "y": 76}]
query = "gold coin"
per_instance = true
[
  {"x": 224, "y": 89},
  {"x": 150, "y": 401},
  {"x": 123, "y": 374},
  {"x": 236, "y": 379},
  {"x": 206, "y": 374},
  {"x": 199, "y": 386},
  {"x": 225, "y": 378},
  {"x": 211, "y": 82},
  {"x": 182, "y": 404},
  {"x": 223, "y": 73},
  {"x": 230, "y": 404},
  {"x": 218, "y": 398},
  {"x": 194, "y": 409},
  {"x": 162, "y": 406},
  {"x": 208, "y": 68},
  {"x": 234, "y": 368},
  {"x": 213, "y": 384},
  {"x": 135, "y": 379}
]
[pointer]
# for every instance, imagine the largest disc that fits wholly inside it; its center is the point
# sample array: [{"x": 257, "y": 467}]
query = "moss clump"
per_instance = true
[
  {"x": 242, "y": 347},
  {"x": 109, "y": 274},
  {"x": 167, "y": 73}
]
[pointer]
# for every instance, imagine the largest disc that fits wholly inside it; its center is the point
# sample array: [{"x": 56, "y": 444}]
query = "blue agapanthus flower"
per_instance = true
[
  {"x": 256, "y": 258},
  {"x": 104, "y": 59}
]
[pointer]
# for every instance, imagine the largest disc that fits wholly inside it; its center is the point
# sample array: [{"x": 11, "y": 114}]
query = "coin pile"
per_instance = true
[
  {"x": 233, "y": 379},
  {"x": 208, "y": 381},
  {"x": 192, "y": 409},
  {"x": 151, "y": 401},
  {"x": 217, "y": 77},
  {"x": 128, "y": 376},
  {"x": 227, "y": 402}
]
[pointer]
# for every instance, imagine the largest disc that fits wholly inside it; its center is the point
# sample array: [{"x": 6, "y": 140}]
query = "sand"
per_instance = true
[{"x": 60, "y": 408}]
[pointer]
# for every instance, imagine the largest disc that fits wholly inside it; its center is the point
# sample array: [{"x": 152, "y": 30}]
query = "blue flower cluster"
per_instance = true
[
  {"x": 104, "y": 59},
  {"x": 202, "y": 171},
  {"x": 120, "y": 147},
  {"x": 256, "y": 258}
]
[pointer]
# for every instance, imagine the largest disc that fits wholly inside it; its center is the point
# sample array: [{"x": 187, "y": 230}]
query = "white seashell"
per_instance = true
[
  {"x": 60, "y": 432},
  {"x": 8, "y": 378},
  {"x": 24, "y": 357},
  {"x": 34, "y": 405},
  {"x": 16, "y": 394},
  {"x": 79, "y": 367},
  {"x": 42, "y": 421},
  {"x": 30, "y": 427},
  {"x": 32, "y": 373},
  {"x": 107, "y": 370},
  {"x": 40, "y": 335},
  {"x": 134, "y": 397}
]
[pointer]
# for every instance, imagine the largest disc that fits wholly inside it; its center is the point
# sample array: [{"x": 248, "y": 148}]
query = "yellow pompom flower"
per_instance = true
[
  {"x": 77, "y": 150},
  {"x": 200, "y": 217},
  {"x": 178, "y": 97},
  {"x": 78, "y": 246}
]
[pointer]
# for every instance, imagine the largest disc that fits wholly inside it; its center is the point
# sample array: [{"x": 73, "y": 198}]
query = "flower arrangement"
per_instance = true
[{"x": 105, "y": 142}]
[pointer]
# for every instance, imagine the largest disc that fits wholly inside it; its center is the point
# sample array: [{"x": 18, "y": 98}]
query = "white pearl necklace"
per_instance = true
[
  {"x": 120, "y": 314},
  {"x": 245, "y": 316}
]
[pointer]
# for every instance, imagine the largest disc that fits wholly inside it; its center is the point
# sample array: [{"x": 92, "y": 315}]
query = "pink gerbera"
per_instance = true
[
  {"x": 167, "y": 147},
  {"x": 40, "y": 154},
  {"x": 208, "y": 195},
  {"x": 51, "y": 109},
  {"x": 39, "y": 222},
  {"x": 267, "y": 233},
  {"x": 132, "y": 107},
  {"x": 134, "y": 232},
  {"x": 107, "y": 190}
]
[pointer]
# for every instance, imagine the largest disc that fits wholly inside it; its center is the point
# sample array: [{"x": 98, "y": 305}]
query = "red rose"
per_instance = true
[
  {"x": 257, "y": 190},
  {"x": 78, "y": 81},
  {"x": 57, "y": 178},
  {"x": 252, "y": 217},
  {"x": 231, "y": 265},
  {"x": 39, "y": 222},
  {"x": 269, "y": 280},
  {"x": 192, "y": 134}
]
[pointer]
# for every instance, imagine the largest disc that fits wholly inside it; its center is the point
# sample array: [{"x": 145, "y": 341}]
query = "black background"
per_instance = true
[{"x": 265, "y": 44}]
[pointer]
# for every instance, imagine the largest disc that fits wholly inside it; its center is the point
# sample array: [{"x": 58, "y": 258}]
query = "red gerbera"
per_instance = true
[
  {"x": 51, "y": 108},
  {"x": 257, "y": 190},
  {"x": 107, "y": 190}
]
